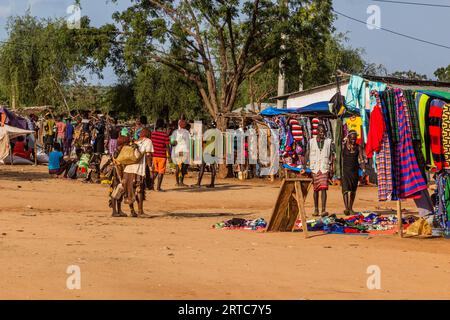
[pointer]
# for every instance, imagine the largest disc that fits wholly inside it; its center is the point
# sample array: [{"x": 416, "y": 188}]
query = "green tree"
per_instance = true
[
  {"x": 217, "y": 45},
  {"x": 162, "y": 93},
  {"x": 443, "y": 74},
  {"x": 409, "y": 75},
  {"x": 42, "y": 56}
]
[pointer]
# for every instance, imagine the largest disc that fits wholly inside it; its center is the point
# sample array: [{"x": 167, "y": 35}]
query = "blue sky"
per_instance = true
[{"x": 396, "y": 53}]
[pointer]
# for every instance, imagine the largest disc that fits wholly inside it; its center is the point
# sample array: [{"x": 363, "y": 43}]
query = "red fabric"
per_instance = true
[{"x": 376, "y": 131}]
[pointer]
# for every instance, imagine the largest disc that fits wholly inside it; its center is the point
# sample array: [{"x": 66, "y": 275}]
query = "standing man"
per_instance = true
[
  {"x": 134, "y": 175},
  {"x": 61, "y": 132},
  {"x": 49, "y": 135},
  {"x": 161, "y": 141},
  {"x": 70, "y": 130},
  {"x": 182, "y": 146},
  {"x": 320, "y": 155}
]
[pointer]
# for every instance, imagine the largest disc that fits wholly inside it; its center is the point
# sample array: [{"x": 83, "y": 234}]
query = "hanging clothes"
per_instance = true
[
  {"x": 376, "y": 127},
  {"x": 356, "y": 94},
  {"x": 410, "y": 178},
  {"x": 413, "y": 116},
  {"x": 356, "y": 101},
  {"x": 384, "y": 170},
  {"x": 296, "y": 129},
  {"x": 383, "y": 156},
  {"x": 388, "y": 97},
  {"x": 435, "y": 131},
  {"x": 375, "y": 86},
  {"x": 446, "y": 132}
]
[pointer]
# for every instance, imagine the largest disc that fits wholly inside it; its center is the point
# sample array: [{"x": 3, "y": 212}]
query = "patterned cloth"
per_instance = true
[
  {"x": 446, "y": 132},
  {"x": 435, "y": 130},
  {"x": 413, "y": 116},
  {"x": 389, "y": 101},
  {"x": 409, "y": 176},
  {"x": 320, "y": 181},
  {"x": 384, "y": 173}
]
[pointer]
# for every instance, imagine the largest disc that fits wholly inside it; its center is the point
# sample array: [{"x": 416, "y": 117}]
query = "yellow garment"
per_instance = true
[
  {"x": 50, "y": 123},
  {"x": 354, "y": 123},
  {"x": 419, "y": 228}
]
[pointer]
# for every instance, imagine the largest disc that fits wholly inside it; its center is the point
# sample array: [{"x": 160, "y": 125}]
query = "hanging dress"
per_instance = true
[{"x": 409, "y": 176}]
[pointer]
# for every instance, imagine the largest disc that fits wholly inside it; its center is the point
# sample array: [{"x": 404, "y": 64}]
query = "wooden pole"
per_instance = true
[
  {"x": 301, "y": 207},
  {"x": 399, "y": 219}
]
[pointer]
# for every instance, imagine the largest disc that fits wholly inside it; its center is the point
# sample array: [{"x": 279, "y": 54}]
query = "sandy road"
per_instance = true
[{"x": 49, "y": 224}]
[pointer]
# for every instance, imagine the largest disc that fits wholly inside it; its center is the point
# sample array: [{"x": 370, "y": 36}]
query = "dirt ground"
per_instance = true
[{"x": 49, "y": 224}]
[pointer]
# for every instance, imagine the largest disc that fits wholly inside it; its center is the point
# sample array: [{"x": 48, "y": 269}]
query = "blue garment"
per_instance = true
[
  {"x": 54, "y": 159},
  {"x": 69, "y": 130},
  {"x": 377, "y": 86}
]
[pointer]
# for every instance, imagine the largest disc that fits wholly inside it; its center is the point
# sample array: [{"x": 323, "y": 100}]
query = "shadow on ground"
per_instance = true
[{"x": 23, "y": 176}]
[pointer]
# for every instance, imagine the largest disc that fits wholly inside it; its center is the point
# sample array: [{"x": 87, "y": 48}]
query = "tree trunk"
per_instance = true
[{"x": 222, "y": 125}]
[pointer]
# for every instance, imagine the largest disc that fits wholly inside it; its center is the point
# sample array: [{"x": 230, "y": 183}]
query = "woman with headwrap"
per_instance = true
[{"x": 352, "y": 157}]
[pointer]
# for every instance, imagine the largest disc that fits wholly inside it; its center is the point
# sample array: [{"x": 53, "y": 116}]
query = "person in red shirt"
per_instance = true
[
  {"x": 161, "y": 141},
  {"x": 20, "y": 149}
]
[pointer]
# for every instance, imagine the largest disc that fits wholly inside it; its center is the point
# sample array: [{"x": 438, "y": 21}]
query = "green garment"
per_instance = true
[
  {"x": 447, "y": 198},
  {"x": 437, "y": 94},
  {"x": 422, "y": 108},
  {"x": 84, "y": 160}
]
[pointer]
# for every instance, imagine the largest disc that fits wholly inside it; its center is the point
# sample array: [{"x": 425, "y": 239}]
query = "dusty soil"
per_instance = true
[{"x": 49, "y": 224}]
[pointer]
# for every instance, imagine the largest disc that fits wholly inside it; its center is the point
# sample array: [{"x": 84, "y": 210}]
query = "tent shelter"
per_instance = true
[{"x": 6, "y": 134}]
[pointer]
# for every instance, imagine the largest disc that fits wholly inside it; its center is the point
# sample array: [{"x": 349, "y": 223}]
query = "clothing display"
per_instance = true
[
  {"x": 241, "y": 224},
  {"x": 446, "y": 131},
  {"x": 376, "y": 127},
  {"x": 361, "y": 223},
  {"x": 410, "y": 177}
]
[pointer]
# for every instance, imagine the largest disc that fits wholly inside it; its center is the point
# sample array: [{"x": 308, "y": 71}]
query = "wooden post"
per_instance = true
[
  {"x": 301, "y": 207},
  {"x": 399, "y": 219}
]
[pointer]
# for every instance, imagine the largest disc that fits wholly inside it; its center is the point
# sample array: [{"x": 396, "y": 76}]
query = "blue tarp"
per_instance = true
[
  {"x": 270, "y": 112},
  {"x": 318, "y": 107}
]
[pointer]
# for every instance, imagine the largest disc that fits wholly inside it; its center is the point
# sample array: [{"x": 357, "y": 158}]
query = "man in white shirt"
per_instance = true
[
  {"x": 134, "y": 174},
  {"x": 320, "y": 157}
]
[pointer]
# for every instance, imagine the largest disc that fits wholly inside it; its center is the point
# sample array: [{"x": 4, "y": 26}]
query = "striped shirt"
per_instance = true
[{"x": 160, "y": 141}]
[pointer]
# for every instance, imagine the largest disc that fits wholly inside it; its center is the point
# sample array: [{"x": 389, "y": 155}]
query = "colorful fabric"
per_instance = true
[
  {"x": 428, "y": 157},
  {"x": 296, "y": 129},
  {"x": 375, "y": 86},
  {"x": 384, "y": 170},
  {"x": 355, "y": 99},
  {"x": 446, "y": 132},
  {"x": 435, "y": 131},
  {"x": 389, "y": 101},
  {"x": 413, "y": 116},
  {"x": 437, "y": 94},
  {"x": 421, "y": 104},
  {"x": 410, "y": 178},
  {"x": 376, "y": 127},
  {"x": 320, "y": 181}
]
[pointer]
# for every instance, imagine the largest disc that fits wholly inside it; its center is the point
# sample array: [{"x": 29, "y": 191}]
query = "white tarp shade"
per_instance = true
[
  {"x": 6, "y": 134},
  {"x": 13, "y": 132}
]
